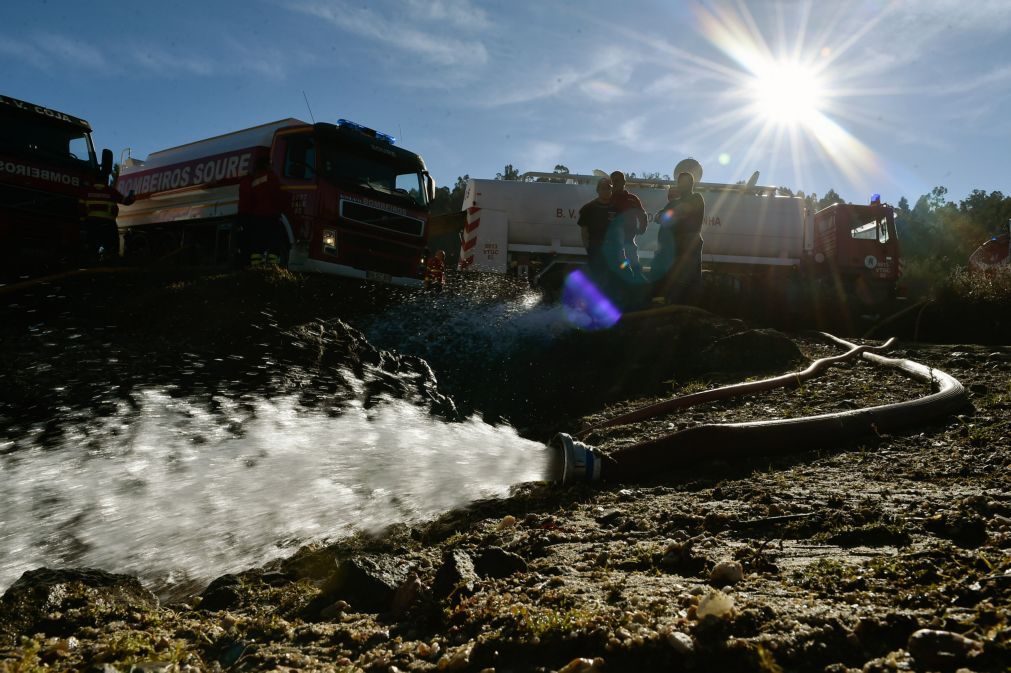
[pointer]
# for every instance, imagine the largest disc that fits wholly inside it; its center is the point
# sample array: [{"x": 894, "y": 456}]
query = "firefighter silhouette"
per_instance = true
[{"x": 435, "y": 272}]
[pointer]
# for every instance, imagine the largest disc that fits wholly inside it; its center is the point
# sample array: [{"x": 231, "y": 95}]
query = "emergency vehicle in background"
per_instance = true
[
  {"x": 56, "y": 204},
  {"x": 754, "y": 238},
  {"x": 332, "y": 198}
]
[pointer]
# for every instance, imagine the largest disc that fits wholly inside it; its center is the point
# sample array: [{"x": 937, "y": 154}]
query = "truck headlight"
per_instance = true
[{"x": 330, "y": 241}]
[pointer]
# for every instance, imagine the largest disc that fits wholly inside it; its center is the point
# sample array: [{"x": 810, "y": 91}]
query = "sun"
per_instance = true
[{"x": 787, "y": 94}]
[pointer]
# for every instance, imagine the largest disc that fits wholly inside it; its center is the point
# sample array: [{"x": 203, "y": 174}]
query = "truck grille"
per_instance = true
[
  {"x": 375, "y": 254},
  {"x": 382, "y": 219},
  {"x": 34, "y": 203}
]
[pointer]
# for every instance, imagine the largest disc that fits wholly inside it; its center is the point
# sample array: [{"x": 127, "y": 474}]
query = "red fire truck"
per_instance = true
[
  {"x": 55, "y": 201},
  {"x": 332, "y": 198}
]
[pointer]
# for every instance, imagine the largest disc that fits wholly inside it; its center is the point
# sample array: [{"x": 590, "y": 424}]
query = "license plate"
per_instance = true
[{"x": 378, "y": 276}]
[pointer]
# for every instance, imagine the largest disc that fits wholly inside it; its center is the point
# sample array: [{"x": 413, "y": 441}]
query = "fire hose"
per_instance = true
[
  {"x": 576, "y": 461},
  {"x": 791, "y": 380}
]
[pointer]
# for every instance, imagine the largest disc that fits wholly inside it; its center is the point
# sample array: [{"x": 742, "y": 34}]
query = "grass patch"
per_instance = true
[
  {"x": 827, "y": 576},
  {"x": 550, "y": 623}
]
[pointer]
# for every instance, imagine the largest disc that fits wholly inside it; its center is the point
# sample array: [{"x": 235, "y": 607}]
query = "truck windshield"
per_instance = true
[
  {"x": 872, "y": 227},
  {"x": 347, "y": 166},
  {"x": 50, "y": 143}
]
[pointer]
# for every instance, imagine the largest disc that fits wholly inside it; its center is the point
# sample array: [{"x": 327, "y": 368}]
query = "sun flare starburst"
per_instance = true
[
  {"x": 783, "y": 92},
  {"x": 787, "y": 93}
]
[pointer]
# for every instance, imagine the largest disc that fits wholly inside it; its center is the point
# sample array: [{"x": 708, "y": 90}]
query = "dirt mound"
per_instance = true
[{"x": 83, "y": 345}]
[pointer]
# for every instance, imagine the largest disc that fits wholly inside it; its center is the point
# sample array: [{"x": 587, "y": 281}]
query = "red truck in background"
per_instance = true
[
  {"x": 332, "y": 198},
  {"x": 56, "y": 205}
]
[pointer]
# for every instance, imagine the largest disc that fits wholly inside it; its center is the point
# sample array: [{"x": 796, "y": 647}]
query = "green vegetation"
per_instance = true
[
  {"x": 977, "y": 288},
  {"x": 827, "y": 576},
  {"x": 549, "y": 623}
]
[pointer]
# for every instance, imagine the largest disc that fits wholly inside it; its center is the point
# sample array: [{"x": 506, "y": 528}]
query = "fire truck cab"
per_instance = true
[
  {"x": 337, "y": 198},
  {"x": 55, "y": 200}
]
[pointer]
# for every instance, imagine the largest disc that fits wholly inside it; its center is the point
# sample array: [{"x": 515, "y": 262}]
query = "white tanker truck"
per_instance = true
[{"x": 752, "y": 235}]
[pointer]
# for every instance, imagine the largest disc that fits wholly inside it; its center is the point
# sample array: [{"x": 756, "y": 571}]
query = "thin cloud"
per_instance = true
[
  {"x": 50, "y": 50},
  {"x": 987, "y": 82},
  {"x": 155, "y": 58},
  {"x": 67, "y": 50},
  {"x": 435, "y": 45},
  {"x": 599, "y": 81},
  {"x": 458, "y": 13},
  {"x": 25, "y": 52},
  {"x": 988, "y": 16}
]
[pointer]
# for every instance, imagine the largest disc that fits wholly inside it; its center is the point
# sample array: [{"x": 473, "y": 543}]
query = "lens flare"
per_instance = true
[{"x": 586, "y": 306}]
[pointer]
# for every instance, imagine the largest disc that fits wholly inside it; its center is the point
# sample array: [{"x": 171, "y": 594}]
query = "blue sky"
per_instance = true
[{"x": 861, "y": 96}]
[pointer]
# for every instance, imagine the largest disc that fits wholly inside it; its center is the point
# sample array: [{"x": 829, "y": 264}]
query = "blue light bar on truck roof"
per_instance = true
[{"x": 365, "y": 130}]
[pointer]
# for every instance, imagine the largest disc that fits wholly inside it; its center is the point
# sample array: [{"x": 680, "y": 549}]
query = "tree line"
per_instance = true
[{"x": 934, "y": 228}]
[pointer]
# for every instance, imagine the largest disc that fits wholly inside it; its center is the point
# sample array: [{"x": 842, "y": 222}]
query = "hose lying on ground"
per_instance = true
[
  {"x": 576, "y": 461},
  {"x": 790, "y": 380}
]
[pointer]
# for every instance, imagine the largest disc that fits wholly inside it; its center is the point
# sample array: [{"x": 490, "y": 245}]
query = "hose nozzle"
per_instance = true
[{"x": 574, "y": 461}]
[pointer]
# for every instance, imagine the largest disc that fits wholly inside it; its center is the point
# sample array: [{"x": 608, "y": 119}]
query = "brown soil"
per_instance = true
[{"x": 849, "y": 553}]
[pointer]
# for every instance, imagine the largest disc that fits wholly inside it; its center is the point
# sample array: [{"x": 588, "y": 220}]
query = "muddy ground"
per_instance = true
[{"x": 890, "y": 553}]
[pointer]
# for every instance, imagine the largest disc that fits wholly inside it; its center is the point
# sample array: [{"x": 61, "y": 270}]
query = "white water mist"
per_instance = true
[{"x": 173, "y": 492}]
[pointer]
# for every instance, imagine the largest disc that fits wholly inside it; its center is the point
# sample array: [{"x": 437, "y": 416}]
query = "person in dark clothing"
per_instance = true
[
  {"x": 688, "y": 238},
  {"x": 603, "y": 239},
  {"x": 631, "y": 219},
  {"x": 682, "y": 283},
  {"x": 666, "y": 252}
]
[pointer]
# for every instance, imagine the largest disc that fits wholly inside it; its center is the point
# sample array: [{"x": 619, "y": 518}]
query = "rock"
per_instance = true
[
  {"x": 715, "y": 604},
  {"x": 334, "y": 610},
  {"x": 368, "y": 583},
  {"x": 679, "y": 557},
  {"x": 274, "y": 578},
  {"x": 508, "y": 522},
  {"x": 497, "y": 562},
  {"x": 456, "y": 576},
  {"x": 406, "y": 595},
  {"x": 966, "y": 529},
  {"x": 456, "y": 660},
  {"x": 726, "y": 572},
  {"x": 221, "y": 594},
  {"x": 943, "y": 650},
  {"x": 880, "y": 635},
  {"x": 583, "y": 665},
  {"x": 153, "y": 667},
  {"x": 611, "y": 519},
  {"x": 680, "y": 642},
  {"x": 58, "y": 602}
]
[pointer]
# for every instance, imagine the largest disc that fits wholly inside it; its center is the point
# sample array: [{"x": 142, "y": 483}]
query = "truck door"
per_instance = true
[{"x": 296, "y": 159}]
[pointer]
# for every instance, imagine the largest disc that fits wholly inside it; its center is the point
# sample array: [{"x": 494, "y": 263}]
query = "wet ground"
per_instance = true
[{"x": 890, "y": 553}]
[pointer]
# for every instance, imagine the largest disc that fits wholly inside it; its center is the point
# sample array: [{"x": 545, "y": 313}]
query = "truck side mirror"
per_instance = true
[
  {"x": 430, "y": 186},
  {"x": 105, "y": 168}
]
